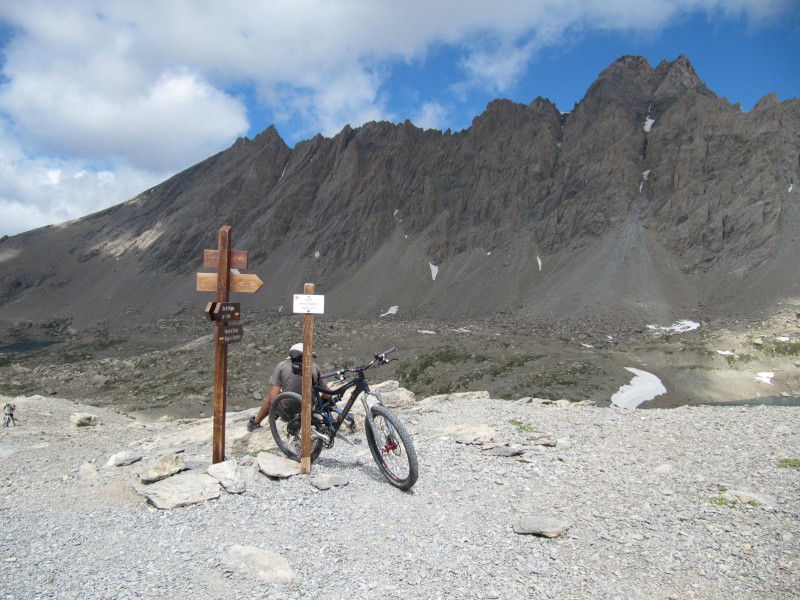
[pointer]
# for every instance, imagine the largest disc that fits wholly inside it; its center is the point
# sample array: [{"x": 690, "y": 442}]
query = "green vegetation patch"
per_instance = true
[
  {"x": 789, "y": 463},
  {"x": 449, "y": 369},
  {"x": 780, "y": 348},
  {"x": 422, "y": 369},
  {"x": 523, "y": 427},
  {"x": 720, "y": 501},
  {"x": 697, "y": 367},
  {"x": 733, "y": 359},
  {"x": 273, "y": 451},
  {"x": 700, "y": 344},
  {"x": 567, "y": 375},
  {"x": 724, "y": 501}
]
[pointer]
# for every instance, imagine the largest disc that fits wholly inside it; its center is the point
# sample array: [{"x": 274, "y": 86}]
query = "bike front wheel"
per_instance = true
[
  {"x": 284, "y": 423},
  {"x": 392, "y": 449}
]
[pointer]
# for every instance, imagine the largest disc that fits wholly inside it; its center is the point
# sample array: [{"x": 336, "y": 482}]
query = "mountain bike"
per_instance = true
[{"x": 388, "y": 440}]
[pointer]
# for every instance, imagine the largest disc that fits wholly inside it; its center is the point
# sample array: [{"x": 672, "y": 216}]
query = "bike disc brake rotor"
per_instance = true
[{"x": 391, "y": 448}]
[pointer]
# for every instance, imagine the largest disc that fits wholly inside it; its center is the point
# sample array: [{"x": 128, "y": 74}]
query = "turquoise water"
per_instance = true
[
  {"x": 25, "y": 347},
  {"x": 765, "y": 401}
]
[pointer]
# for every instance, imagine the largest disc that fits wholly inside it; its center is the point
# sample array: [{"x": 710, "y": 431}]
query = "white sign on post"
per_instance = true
[{"x": 305, "y": 303}]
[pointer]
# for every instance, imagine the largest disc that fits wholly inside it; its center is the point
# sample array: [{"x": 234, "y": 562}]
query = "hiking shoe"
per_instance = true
[{"x": 252, "y": 425}]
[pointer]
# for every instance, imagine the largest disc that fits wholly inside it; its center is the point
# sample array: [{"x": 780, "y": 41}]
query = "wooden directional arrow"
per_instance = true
[{"x": 247, "y": 283}]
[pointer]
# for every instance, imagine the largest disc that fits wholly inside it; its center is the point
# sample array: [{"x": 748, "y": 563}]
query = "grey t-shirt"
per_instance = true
[{"x": 283, "y": 377}]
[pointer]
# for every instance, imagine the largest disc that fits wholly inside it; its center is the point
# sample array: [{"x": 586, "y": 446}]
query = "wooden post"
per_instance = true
[
  {"x": 220, "y": 312},
  {"x": 308, "y": 360},
  {"x": 221, "y": 350}
]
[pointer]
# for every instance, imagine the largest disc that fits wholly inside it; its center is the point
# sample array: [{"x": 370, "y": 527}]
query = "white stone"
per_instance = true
[
  {"x": 228, "y": 474},
  {"x": 82, "y": 419},
  {"x": 277, "y": 466},
  {"x": 123, "y": 459},
  {"x": 264, "y": 565},
  {"x": 181, "y": 490},
  {"x": 88, "y": 472},
  {"x": 398, "y": 397},
  {"x": 385, "y": 386},
  {"x": 541, "y": 526},
  {"x": 323, "y": 481},
  {"x": 164, "y": 467}
]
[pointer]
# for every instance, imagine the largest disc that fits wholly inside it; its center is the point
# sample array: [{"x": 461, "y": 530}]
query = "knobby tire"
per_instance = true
[
  {"x": 394, "y": 451},
  {"x": 284, "y": 423}
]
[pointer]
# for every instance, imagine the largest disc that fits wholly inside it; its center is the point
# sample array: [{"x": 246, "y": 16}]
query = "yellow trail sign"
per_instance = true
[{"x": 248, "y": 283}]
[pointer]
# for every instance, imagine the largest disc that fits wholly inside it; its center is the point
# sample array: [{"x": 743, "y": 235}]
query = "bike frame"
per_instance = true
[{"x": 359, "y": 387}]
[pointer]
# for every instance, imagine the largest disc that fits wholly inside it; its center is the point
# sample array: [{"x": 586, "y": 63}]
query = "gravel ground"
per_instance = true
[{"x": 646, "y": 493}]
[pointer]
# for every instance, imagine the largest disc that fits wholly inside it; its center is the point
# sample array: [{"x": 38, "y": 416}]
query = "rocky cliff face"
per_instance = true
[{"x": 652, "y": 197}]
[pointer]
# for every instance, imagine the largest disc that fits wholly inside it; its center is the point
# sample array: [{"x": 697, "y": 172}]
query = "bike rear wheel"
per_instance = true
[
  {"x": 284, "y": 423},
  {"x": 393, "y": 450}
]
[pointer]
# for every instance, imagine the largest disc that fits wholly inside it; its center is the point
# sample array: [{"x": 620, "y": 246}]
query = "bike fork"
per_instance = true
[
  {"x": 376, "y": 434},
  {"x": 370, "y": 421}
]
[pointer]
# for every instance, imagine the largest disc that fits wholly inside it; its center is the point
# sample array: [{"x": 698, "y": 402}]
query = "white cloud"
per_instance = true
[
  {"x": 495, "y": 70},
  {"x": 176, "y": 121},
  {"x": 347, "y": 98},
  {"x": 431, "y": 115},
  {"x": 35, "y": 192}
]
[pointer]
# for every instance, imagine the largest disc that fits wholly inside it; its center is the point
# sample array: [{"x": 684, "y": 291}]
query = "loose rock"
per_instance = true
[
  {"x": 84, "y": 419},
  {"x": 541, "y": 526},
  {"x": 327, "y": 481},
  {"x": 258, "y": 563},
  {"x": 164, "y": 467},
  {"x": 184, "y": 489},
  {"x": 229, "y": 475},
  {"x": 277, "y": 466},
  {"x": 123, "y": 459}
]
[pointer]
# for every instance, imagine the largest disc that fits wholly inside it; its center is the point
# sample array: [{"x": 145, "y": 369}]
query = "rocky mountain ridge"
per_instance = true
[{"x": 661, "y": 198}]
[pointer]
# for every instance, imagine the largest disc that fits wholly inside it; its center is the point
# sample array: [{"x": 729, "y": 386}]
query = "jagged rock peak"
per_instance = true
[
  {"x": 268, "y": 137},
  {"x": 375, "y": 130},
  {"x": 500, "y": 105},
  {"x": 669, "y": 80},
  {"x": 767, "y": 101},
  {"x": 674, "y": 78},
  {"x": 498, "y": 111},
  {"x": 543, "y": 104},
  {"x": 629, "y": 67}
]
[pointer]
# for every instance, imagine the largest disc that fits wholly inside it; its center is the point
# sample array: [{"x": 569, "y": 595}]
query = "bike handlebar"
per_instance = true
[
  {"x": 382, "y": 355},
  {"x": 380, "y": 358}
]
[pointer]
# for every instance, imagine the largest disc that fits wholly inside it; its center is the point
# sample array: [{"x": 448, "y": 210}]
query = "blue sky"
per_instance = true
[{"x": 102, "y": 100}]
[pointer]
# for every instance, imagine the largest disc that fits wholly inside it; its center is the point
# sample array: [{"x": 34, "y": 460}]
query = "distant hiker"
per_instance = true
[
  {"x": 9, "y": 415},
  {"x": 287, "y": 377}
]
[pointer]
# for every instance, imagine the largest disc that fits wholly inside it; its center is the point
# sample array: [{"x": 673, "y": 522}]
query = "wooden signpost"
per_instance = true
[
  {"x": 221, "y": 312},
  {"x": 308, "y": 304}
]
